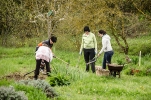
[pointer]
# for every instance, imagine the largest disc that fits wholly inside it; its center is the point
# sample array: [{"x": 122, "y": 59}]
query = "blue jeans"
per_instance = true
[{"x": 107, "y": 58}]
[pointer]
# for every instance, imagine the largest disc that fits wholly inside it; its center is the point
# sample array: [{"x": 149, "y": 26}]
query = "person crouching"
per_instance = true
[{"x": 43, "y": 53}]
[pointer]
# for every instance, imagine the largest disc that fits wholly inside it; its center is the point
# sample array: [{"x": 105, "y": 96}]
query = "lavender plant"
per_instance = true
[
  {"x": 40, "y": 84},
  {"x": 9, "y": 93}
]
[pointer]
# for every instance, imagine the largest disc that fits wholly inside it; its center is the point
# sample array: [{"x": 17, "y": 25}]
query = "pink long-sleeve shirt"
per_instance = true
[{"x": 44, "y": 53}]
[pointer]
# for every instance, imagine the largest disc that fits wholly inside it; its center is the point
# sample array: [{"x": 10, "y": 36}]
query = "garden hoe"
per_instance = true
[
  {"x": 41, "y": 68},
  {"x": 42, "y": 65},
  {"x": 29, "y": 73},
  {"x": 92, "y": 61},
  {"x": 61, "y": 60}
]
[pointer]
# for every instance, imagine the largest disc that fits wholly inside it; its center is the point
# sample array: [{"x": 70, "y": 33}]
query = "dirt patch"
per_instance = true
[
  {"x": 18, "y": 76},
  {"x": 14, "y": 76}
]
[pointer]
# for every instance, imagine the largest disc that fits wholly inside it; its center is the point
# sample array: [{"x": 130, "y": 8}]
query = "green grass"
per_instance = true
[
  {"x": 106, "y": 88},
  {"x": 88, "y": 86},
  {"x": 84, "y": 85},
  {"x": 16, "y": 59}
]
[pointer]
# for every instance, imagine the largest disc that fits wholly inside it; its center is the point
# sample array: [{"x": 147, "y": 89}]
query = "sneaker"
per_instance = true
[
  {"x": 35, "y": 77},
  {"x": 43, "y": 72}
]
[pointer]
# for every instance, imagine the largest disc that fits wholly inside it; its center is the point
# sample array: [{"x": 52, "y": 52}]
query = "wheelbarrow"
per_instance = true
[{"x": 115, "y": 69}]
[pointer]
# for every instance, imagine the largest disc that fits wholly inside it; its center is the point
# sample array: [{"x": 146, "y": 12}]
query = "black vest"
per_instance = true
[{"x": 48, "y": 43}]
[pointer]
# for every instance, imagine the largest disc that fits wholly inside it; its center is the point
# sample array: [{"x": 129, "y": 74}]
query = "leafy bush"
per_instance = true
[
  {"x": 120, "y": 62},
  {"x": 135, "y": 60},
  {"x": 59, "y": 80},
  {"x": 9, "y": 93},
  {"x": 40, "y": 84},
  {"x": 127, "y": 71},
  {"x": 63, "y": 75},
  {"x": 148, "y": 72},
  {"x": 147, "y": 56},
  {"x": 144, "y": 47}
]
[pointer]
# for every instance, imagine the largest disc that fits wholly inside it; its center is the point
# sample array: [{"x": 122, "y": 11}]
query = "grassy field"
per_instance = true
[{"x": 84, "y": 85}]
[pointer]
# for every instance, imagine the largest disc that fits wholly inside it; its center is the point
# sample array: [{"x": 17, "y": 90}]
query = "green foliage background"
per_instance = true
[{"x": 25, "y": 23}]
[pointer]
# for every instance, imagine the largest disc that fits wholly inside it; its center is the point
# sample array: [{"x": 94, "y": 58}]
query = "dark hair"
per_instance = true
[
  {"x": 102, "y": 32},
  {"x": 86, "y": 28},
  {"x": 53, "y": 39}
]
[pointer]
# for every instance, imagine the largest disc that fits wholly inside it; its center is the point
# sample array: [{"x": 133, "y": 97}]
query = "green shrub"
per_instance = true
[
  {"x": 59, "y": 80},
  {"x": 147, "y": 56},
  {"x": 64, "y": 75},
  {"x": 40, "y": 84},
  {"x": 9, "y": 93},
  {"x": 31, "y": 92},
  {"x": 148, "y": 71},
  {"x": 120, "y": 62},
  {"x": 127, "y": 71},
  {"x": 135, "y": 60},
  {"x": 144, "y": 47}
]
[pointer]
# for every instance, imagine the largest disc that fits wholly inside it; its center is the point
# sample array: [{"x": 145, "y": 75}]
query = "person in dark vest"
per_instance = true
[{"x": 49, "y": 42}]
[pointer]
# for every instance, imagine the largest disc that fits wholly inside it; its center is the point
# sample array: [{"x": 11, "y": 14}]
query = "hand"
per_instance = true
[
  {"x": 54, "y": 56},
  {"x": 95, "y": 51},
  {"x": 80, "y": 53},
  {"x": 98, "y": 55}
]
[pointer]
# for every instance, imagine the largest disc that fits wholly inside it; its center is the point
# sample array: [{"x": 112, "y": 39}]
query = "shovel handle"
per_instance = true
[{"x": 62, "y": 60}]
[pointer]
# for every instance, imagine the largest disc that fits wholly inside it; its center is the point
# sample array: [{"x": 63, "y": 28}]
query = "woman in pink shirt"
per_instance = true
[{"x": 43, "y": 53}]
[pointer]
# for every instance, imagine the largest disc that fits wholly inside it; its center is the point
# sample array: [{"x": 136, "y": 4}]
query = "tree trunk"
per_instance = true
[
  {"x": 117, "y": 36},
  {"x": 49, "y": 27}
]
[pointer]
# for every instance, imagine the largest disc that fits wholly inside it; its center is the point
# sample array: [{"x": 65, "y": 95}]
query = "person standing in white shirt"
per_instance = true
[{"x": 106, "y": 48}]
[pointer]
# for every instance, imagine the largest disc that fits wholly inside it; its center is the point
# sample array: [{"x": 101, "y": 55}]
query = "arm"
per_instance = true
[
  {"x": 95, "y": 44},
  {"x": 81, "y": 48},
  {"x": 103, "y": 46}
]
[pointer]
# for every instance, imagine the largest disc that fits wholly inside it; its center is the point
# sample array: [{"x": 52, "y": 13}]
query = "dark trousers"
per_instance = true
[
  {"x": 107, "y": 58},
  {"x": 38, "y": 63},
  {"x": 89, "y": 54}
]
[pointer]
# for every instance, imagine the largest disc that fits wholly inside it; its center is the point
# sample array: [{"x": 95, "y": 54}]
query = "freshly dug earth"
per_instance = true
[{"x": 18, "y": 76}]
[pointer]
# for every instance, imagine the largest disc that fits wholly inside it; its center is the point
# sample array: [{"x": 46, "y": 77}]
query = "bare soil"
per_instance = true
[{"x": 19, "y": 76}]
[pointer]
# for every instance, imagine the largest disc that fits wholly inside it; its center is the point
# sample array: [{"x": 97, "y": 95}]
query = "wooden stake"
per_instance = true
[{"x": 140, "y": 58}]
